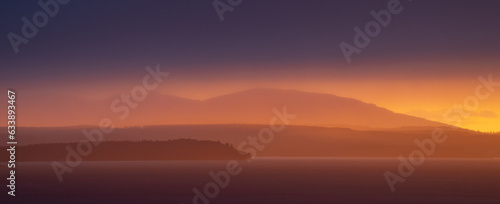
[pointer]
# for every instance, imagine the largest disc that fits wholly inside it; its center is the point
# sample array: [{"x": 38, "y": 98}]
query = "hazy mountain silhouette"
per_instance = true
[
  {"x": 252, "y": 106},
  {"x": 255, "y": 106}
]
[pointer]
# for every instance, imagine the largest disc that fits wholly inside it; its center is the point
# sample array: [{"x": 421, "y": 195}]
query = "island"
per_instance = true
[{"x": 177, "y": 149}]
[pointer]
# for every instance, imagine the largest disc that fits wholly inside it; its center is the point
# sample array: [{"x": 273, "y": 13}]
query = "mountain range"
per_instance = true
[{"x": 254, "y": 106}]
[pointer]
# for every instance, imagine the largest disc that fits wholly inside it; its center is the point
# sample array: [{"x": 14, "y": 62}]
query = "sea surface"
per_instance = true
[{"x": 263, "y": 180}]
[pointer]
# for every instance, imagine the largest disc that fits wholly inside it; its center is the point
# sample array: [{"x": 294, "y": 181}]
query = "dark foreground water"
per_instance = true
[{"x": 265, "y": 180}]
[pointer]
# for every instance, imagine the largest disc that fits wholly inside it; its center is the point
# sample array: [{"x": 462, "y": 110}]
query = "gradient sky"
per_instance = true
[{"x": 426, "y": 60}]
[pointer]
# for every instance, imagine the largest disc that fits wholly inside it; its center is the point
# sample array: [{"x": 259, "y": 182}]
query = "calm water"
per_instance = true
[{"x": 265, "y": 180}]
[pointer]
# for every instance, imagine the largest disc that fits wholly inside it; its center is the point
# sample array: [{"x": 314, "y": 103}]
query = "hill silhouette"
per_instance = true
[
  {"x": 312, "y": 109},
  {"x": 179, "y": 149},
  {"x": 252, "y": 106},
  {"x": 255, "y": 106},
  {"x": 296, "y": 141}
]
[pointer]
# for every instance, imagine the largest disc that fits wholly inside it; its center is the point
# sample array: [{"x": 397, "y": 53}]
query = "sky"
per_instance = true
[{"x": 426, "y": 60}]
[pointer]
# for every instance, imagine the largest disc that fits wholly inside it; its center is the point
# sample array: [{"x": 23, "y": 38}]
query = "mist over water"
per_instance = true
[{"x": 263, "y": 180}]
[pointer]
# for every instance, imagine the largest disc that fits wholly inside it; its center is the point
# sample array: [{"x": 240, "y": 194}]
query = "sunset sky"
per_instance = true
[{"x": 428, "y": 59}]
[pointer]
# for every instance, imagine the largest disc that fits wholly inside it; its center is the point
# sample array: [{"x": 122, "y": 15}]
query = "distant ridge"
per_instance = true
[
  {"x": 293, "y": 141},
  {"x": 253, "y": 106},
  {"x": 177, "y": 149}
]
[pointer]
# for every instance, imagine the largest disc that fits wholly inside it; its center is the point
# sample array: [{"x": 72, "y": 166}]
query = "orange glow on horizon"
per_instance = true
[{"x": 422, "y": 97}]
